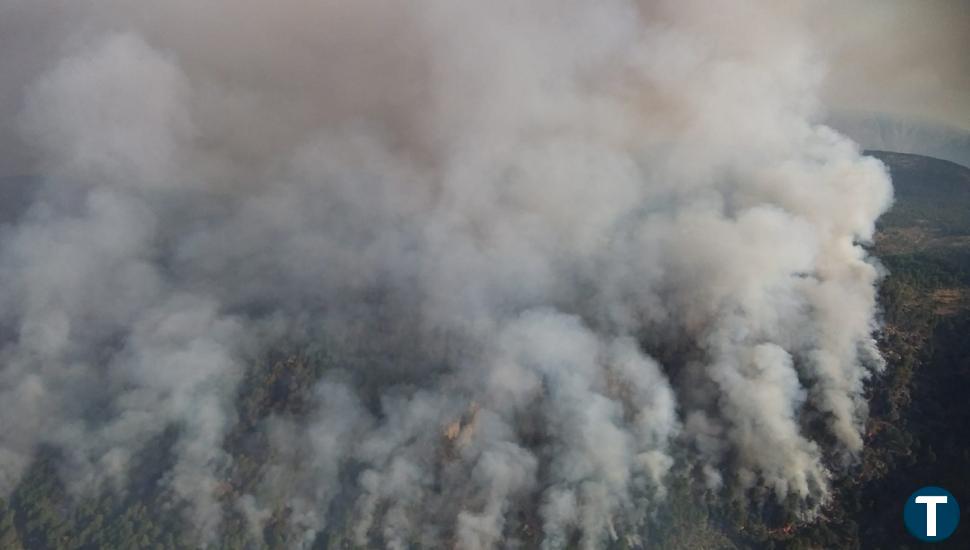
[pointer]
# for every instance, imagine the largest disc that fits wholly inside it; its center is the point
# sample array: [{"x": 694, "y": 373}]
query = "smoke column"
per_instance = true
[{"x": 590, "y": 242}]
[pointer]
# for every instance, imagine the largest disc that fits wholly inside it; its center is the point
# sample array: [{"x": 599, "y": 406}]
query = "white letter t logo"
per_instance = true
[{"x": 931, "y": 503}]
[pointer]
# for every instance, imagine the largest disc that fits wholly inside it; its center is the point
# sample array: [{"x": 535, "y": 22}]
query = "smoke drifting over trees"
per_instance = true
[{"x": 590, "y": 242}]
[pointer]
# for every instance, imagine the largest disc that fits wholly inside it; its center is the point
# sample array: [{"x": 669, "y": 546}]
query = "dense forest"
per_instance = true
[{"x": 918, "y": 432}]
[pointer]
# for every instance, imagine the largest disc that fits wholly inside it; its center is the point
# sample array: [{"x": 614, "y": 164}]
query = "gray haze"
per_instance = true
[
  {"x": 904, "y": 135},
  {"x": 617, "y": 228},
  {"x": 902, "y": 59}
]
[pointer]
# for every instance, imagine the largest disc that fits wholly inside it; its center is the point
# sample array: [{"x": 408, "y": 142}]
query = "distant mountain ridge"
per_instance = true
[{"x": 882, "y": 132}]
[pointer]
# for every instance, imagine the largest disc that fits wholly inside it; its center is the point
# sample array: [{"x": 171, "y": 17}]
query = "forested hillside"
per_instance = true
[
  {"x": 918, "y": 433},
  {"x": 919, "y": 428}
]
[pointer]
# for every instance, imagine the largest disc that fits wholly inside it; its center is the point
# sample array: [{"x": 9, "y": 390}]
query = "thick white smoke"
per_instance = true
[{"x": 582, "y": 236}]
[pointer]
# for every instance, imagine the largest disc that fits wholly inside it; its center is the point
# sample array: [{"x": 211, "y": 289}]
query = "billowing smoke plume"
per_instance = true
[{"x": 569, "y": 245}]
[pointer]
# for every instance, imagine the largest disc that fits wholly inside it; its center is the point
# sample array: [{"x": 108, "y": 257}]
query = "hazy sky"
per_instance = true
[{"x": 901, "y": 57}]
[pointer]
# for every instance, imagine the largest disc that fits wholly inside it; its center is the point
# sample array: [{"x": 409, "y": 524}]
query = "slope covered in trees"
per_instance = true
[{"x": 918, "y": 433}]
